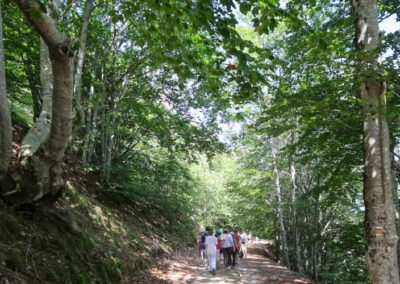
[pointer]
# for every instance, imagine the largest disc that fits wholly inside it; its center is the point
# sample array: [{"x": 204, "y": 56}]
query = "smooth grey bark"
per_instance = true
[
  {"x": 5, "y": 116},
  {"x": 109, "y": 139},
  {"x": 107, "y": 143},
  {"x": 93, "y": 109},
  {"x": 293, "y": 175},
  {"x": 279, "y": 213},
  {"x": 93, "y": 134},
  {"x": 90, "y": 130},
  {"x": 89, "y": 7},
  {"x": 397, "y": 211},
  {"x": 315, "y": 246},
  {"x": 297, "y": 247},
  {"x": 395, "y": 188},
  {"x": 108, "y": 155},
  {"x": 310, "y": 214},
  {"x": 43, "y": 158},
  {"x": 40, "y": 131},
  {"x": 380, "y": 224}
]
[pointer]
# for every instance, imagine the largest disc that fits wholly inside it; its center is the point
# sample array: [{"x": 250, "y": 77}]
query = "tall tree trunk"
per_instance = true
[
  {"x": 316, "y": 223},
  {"x": 308, "y": 246},
  {"x": 89, "y": 6},
  {"x": 93, "y": 134},
  {"x": 94, "y": 107},
  {"x": 395, "y": 182},
  {"x": 299, "y": 263},
  {"x": 43, "y": 161},
  {"x": 380, "y": 225},
  {"x": 108, "y": 161},
  {"x": 5, "y": 116},
  {"x": 108, "y": 148},
  {"x": 90, "y": 128},
  {"x": 397, "y": 212},
  {"x": 34, "y": 85},
  {"x": 41, "y": 129},
  {"x": 278, "y": 198}
]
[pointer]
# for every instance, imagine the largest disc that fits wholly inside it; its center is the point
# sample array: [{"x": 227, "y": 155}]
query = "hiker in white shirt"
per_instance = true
[
  {"x": 227, "y": 247},
  {"x": 211, "y": 251},
  {"x": 243, "y": 240}
]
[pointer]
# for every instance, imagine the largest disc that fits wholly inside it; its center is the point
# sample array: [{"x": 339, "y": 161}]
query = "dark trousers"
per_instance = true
[
  {"x": 234, "y": 254},
  {"x": 227, "y": 252}
]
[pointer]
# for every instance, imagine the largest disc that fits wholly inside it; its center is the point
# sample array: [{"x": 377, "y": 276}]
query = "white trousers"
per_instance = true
[{"x": 212, "y": 261}]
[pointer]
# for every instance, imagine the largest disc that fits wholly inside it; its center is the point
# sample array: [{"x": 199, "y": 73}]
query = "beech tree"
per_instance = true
[
  {"x": 380, "y": 224},
  {"x": 312, "y": 93},
  {"x": 89, "y": 7},
  {"x": 5, "y": 118},
  {"x": 154, "y": 80},
  {"x": 145, "y": 67},
  {"x": 43, "y": 148},
  {"x": 278, "y": 207}
]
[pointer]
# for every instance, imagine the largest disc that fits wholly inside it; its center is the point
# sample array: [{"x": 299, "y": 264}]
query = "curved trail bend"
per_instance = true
[{"x": 255, "y": 269}]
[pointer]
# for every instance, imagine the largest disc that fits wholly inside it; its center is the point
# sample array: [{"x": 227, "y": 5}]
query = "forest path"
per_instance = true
[{"x": 186, "y": 267}]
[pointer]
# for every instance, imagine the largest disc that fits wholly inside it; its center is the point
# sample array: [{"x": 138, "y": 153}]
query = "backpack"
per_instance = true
[
  {"x": 203, "y": 238},
  {"x": 235, "y": 242}
]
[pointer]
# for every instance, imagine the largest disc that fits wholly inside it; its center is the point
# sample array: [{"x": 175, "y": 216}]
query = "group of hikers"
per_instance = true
[{"x": 230, "y": 246}]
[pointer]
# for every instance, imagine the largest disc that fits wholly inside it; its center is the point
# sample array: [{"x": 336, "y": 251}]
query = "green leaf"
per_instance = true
[{"x": 245, "y": 7}]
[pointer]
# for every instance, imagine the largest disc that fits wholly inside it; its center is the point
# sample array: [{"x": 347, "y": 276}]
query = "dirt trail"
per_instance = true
[{"x": 188, "y": 268}]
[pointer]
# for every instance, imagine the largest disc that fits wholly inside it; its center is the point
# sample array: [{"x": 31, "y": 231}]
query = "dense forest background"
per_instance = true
[{"x": 135, "y": 119}]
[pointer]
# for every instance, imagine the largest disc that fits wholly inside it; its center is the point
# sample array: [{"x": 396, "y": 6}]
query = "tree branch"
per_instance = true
[{"x": 44, "y": 25}]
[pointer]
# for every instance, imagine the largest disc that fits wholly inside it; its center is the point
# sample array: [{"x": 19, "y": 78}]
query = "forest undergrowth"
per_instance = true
[{"x": 91, "y": 235}]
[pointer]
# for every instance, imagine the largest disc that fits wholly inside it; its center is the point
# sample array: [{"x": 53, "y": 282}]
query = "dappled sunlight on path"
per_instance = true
[{"x": 188, "y": 268}]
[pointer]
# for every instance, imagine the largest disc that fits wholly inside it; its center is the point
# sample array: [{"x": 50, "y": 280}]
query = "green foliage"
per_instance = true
[
  {"x": 210, "y": 198},
  {"x": 159, "y": 79},
  {"x": 21, "y": 114},
  {"x": 22, "y": 63},
  {"x": 310, "y": 117},
  {"x": 346, "y": 253}
]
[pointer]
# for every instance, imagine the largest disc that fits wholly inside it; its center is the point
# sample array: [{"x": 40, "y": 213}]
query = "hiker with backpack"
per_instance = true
[
  {"x": 202, "y": 247},
  {"x": 236, "y": 241},
  {"x": 228, "y": 247},
  {"x": 218, "y": 235}
]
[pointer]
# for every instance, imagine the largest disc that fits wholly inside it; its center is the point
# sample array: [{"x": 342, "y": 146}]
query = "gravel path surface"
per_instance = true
[{"x": 186, "y": 267}]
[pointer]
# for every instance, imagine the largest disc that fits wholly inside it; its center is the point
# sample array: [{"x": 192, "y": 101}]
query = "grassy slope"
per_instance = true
[{"x": 90, "y": 236}]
